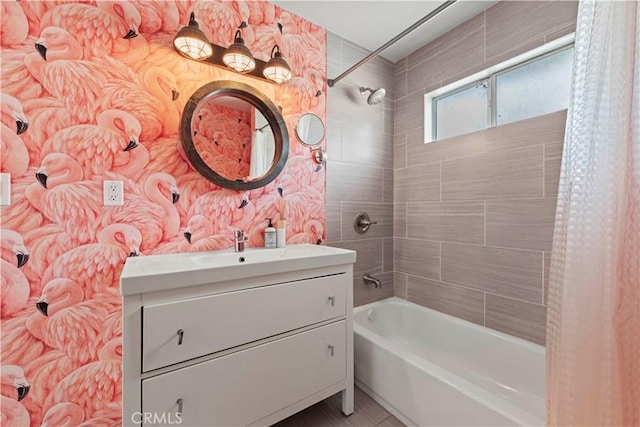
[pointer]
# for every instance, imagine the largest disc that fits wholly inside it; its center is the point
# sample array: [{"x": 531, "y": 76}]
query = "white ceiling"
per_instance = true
[{"x": 372, "y": 23}]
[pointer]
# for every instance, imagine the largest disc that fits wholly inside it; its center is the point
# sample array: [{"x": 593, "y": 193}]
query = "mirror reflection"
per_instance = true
[
  {"x": 310, "y": 130},
  {"x": 233, "y": 138}
]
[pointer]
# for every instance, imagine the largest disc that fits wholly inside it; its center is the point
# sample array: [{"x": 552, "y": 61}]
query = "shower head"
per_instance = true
[{"x": 376, "y": 96}]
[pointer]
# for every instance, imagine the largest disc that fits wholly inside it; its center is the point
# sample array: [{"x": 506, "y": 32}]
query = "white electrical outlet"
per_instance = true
[
  {"x": 113, "y": 193},
  {"x": 5, "y": 189}
]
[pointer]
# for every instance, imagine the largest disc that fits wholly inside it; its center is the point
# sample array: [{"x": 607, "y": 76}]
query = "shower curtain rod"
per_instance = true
[{"x": 434, "y": 12}]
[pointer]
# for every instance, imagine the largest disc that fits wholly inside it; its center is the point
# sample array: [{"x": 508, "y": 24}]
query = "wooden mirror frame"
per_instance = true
[{"x": 258, "y": 100}]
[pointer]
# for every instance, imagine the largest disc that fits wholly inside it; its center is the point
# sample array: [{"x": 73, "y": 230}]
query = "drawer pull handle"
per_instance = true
[
  {"x": 333, "y": 301},
  {"x": 331, "y": 349},
  {"x": 179, "y": 402},
  {"x": 180, "y": 336}
]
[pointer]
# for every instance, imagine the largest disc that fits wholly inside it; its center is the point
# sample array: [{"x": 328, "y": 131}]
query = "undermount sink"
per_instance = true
[{"x": 158, "y": 272}]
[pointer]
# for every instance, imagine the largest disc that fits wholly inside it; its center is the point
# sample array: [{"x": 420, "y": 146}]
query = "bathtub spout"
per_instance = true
[{"x": 367, "y": 279}]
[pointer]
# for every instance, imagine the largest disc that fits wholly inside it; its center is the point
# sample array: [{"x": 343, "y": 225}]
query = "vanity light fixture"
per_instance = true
[
  {"x": 277, "y": 70},
  {"x": 192, "y": 42},
  {"x": 238, "y": 57}
]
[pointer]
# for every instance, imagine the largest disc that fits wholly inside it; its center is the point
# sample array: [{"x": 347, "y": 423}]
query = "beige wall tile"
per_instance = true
[
  {"x": 387, "y": 111},
  {"x": 445, "y": 149},
  {"x": 380, "y": 212},
  {"x": 408, "y": 113},
  {"x": 461, "y": 222},
  {"x": 367, "y": 145},
  {"x": 454, "y": 52},
  {"x": 547, "y": 268},
  {"x": 417, "y": 184},
  {"x": 400, "y": 155},
  {"x": 377, "y": 72},
  {"x": 552, "y": 165},
  {"x": 364, "y": 294},
  {"x": 400, "y": 284},
  {"x": 415, "y": 137},
  {"x": 417, "y": 257},
  {"x": 387, "y": 253},
  {"x": 334, "y": 222},
  {"x": 353, "y": 182},
  {"x": 400, "y": 219},
  {"x": 334, "y": 139},
  {"x": 521, "y": 223},
  {"x": 503, "y": 174},
  {"x": 514, "y": 27},
  {"x": 519, "y": 318},
  {"x": 368, "y": 258},
  {"x": 546, "y": 129},
  {"x": 509, "y": 272},
  {"x": 400, "y": 81},
  {"x": 464, "y": 303},
  {"x": 387, "y": 182}
]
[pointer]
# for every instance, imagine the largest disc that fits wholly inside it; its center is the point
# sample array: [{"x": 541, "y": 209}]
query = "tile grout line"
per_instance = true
[
  {"x": 470, "y": 288},
  {"x": 484, "y": 309},
  {"x": 544, "y": 149},
  {"x": 440, "y": 183},
  {"x": 440, "y": 259},
  {"x": 484, "y": 27},
  {"x": 485, "y": 222},
  {"x": 543, "y": 263}
]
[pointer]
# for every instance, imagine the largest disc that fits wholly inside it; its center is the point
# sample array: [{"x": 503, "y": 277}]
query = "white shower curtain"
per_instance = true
[
  {"x": 258, "y": 165},
  {"x": 593, "y": 326}
]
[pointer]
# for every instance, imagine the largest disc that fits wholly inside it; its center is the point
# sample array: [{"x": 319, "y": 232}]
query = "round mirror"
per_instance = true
[
  {"x": 310, "y": 130},
  {"x": 234, "y": 136}
]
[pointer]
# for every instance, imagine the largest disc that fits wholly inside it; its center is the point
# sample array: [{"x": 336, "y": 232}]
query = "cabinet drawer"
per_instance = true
[
  {"x": 243, "y": 387},
  {"x": 182, "y": 330}
]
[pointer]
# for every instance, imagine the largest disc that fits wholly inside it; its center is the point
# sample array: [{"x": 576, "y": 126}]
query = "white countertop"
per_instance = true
[{"x": 162, "y": 272}]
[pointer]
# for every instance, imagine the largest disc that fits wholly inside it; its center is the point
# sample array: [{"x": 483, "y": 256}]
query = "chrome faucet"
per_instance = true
[
  {"x": 367, "y": 279},
  {"x": 240, "y": 239}
]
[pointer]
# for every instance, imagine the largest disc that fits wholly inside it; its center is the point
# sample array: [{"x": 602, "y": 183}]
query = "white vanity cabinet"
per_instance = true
[{"x": 234, "y": 339}]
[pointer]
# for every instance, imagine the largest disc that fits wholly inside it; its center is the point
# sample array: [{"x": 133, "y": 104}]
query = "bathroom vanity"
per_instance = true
[{"x": 232, "y": 339}]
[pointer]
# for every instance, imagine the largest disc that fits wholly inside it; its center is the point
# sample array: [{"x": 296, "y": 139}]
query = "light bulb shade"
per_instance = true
[
  {"x": 238, "y": 56},
  {"x": 191, "y": 41},
  {"x": 277, "y": 70}
]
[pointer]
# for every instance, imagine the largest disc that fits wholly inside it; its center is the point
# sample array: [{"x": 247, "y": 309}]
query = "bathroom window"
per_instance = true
[
  {"x": 538, "y": 87},
  {"x": 469, "y": 102},
  {"x": 532, "y": 84}
]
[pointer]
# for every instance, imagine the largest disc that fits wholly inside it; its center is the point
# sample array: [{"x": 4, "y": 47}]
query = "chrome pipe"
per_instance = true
[{"x": 434, "y": 12}]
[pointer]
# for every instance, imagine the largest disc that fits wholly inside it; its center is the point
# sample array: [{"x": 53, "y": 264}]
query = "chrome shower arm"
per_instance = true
[{"x": 443, "y": 6}]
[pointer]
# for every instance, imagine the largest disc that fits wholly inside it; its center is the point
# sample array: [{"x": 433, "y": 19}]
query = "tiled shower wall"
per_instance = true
[
  {"x": 360, "y": 166},
  {"x": 474, "y": 214}
]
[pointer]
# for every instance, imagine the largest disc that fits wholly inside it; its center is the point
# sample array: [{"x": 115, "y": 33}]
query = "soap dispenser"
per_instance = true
[{"x": 269, "y": 236}]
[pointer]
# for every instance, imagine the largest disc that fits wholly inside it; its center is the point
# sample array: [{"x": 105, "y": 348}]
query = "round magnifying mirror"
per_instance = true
[{"x": 310, "y": 130}]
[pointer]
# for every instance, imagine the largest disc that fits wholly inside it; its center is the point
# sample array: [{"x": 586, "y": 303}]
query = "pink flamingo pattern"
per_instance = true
[{"x": 93, "y": 91}]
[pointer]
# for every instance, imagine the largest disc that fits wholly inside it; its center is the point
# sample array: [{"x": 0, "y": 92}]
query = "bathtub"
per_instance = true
[{"x": 431, "y": 369}]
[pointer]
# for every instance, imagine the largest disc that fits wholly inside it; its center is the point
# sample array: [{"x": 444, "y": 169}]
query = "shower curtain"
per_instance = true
[
  {"x": 593, "y": 324},
  {"x": 258, "y": 165}
]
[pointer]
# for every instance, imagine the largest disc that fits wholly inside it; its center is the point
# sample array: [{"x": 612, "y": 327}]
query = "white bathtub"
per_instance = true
[{"x": 431, "y": 369}]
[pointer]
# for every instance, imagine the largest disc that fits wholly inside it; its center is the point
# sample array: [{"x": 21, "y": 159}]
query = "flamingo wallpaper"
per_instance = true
[
  {"x": 88, "y": 93},
  {"x": 222, "y": 137}
]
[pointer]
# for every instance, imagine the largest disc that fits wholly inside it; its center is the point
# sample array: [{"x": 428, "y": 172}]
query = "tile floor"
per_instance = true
[{"x": 328, "y": 413}]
